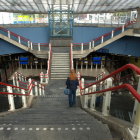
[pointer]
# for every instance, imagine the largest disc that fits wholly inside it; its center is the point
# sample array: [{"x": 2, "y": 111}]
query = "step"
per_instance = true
[
  {"x": 61, "y": 58},
  {"x": 60, "y": 61},
  {"x": 60, "y": 68},
  {"x": 61, "y": 53},
  {"x": 58, "y": 78},
  {"x": 58, "y": 73},
  {"x": 60, "y": 64}
]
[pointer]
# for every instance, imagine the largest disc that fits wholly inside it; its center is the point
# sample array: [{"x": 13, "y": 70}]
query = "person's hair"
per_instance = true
[{"x": 72, "y": 75}]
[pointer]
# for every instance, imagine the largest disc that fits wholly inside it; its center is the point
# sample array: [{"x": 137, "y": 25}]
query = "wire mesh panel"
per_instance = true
[{"x": 60, "y": 22}]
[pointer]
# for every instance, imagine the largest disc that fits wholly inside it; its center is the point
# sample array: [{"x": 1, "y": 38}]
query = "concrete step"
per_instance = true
[
  {"x": 61, "y": 64},
  {"x": 60, "y": 68},
  {"x": 59, "y": 73},
  {"x": 59, "y": 78}
]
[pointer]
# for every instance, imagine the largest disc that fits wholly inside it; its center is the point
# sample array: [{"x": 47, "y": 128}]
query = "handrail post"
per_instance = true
[
  {"x": 10, "y": 99},
  {"x": 93, "y": 44},
  {"x": 89, "y": 45},
  {"x": 28, "y": 44},
  {"x": 19, "y": 40},
  {"x": 93, "y": 98},
  {"x": 9, "y": 34},
  {"x": 40, "y": 91},
  {"x": 36, "y": 89},
  {"x": 17, "y": 81},
  {"x": 46, "y": 77},
  {"x": 136, "y": 126},
  {"x": 84, "y": 97},
  {"x": 82, "y": 47},
  {"x": 41, "y": 77},
  {"x": 30, "y": 86},
  {"x": 24, "y": 102},
  {"x": 38, "y": 46},
  {"x": 123, "y": 28},
  {"x": 14, "y": 81},
  {"x": 31, "y": 46},
  {"x": 43, "y": 90},
  {"x": 85, "y": 105},
  {"x": 107, "y": 98},
  {"x": 102, "y": 39},
  {"x": 136, "y": 115},
  {"x": 112, "y": 34}
]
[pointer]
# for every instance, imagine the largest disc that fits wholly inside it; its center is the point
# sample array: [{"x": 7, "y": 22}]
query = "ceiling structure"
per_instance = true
[{"x": 77, "y": 6}]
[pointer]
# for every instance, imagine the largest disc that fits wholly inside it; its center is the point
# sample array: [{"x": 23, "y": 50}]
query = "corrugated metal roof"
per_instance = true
[{"x": 77, "y": 6}]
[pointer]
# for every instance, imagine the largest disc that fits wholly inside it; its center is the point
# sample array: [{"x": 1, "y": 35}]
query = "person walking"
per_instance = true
[{"x": 72, "y": 83}]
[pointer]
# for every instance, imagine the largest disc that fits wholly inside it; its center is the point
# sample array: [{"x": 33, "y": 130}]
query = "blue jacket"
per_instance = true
[{"x": 72, "y": 84}]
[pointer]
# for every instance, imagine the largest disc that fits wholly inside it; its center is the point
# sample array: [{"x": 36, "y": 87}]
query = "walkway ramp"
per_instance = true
[
  {"x": 38, "y": 49},
  {"x": 87, "y": 49},
  {"x": 50, "y": 118}
]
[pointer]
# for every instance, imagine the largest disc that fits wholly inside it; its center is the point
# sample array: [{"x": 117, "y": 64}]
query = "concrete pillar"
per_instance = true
[
  {"x": 96, "y": 66},
  {"x": 107, "y": 98},
  {"x": 93, "y": 98},
  {"x": 81, "y": 65},
  {"x": 76, "y": 65},
  {"x": 87, "y": 65},
  {"x": 10, "y": 99},
  {"x": 24, "y": 102},
  {"x": 41, "y": 65}
]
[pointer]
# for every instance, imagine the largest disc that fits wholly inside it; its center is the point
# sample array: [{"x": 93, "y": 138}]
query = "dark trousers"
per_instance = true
[{"x": 72, "y": 98}]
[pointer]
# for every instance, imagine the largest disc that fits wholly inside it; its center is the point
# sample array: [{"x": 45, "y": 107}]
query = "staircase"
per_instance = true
[
  {"x": 60, "y": 67},
  {"x": 50, "y": 118}
]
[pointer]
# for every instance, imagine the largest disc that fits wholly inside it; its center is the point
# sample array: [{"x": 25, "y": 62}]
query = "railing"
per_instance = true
[
  {"x": 44, "y": 78},
  {"x": 24, "y": 41},
  {"x": 105, "y": 85},
  {"x": 101, "y": 39},
  {"x": 21, "y": 87},
  {"x": 71, "y": 57}
]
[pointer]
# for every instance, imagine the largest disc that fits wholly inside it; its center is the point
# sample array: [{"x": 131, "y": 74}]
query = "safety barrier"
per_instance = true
[
  {"x": 24, "y": 41},
  {"x": 23, "y": 88},
  {"x": 44, "y": 78},
  {"x": 101, "y": 39},
  {"x": 105, "y": 87}
]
